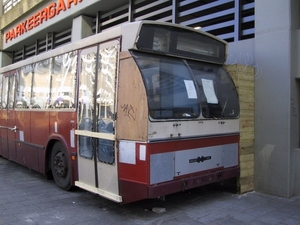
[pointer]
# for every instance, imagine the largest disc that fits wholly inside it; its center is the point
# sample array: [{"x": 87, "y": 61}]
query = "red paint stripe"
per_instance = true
[{"x": 178, "y": 145}]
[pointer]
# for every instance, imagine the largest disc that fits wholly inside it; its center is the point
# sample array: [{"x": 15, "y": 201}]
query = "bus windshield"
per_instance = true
[
  {"x": 178, "y": 89},
  {"x": 170, "y": 87},
  {"x": 218, "y": 95}
]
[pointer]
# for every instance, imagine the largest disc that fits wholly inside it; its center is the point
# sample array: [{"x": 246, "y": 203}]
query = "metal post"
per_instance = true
[
  {"x": 98, "y": 22},
  {"x": 174, "y": 11},
  {"x": 237, "y": 20},
  {"x": 130, "y": 11}
]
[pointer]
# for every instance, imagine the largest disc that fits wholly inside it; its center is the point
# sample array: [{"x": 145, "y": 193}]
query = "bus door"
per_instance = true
[
  {"x": 8, "y": 128},
  {"x": 97, "y": 167}
]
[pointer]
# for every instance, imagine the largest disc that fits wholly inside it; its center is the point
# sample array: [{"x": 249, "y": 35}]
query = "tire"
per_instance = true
[{"x": 60, "y": 167}]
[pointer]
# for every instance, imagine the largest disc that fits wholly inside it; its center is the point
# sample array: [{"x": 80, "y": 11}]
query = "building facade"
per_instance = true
[{"x": 262, "y": 34}]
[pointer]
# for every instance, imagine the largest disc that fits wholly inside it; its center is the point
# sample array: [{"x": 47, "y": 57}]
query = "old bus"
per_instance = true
[{"x": 141, "y": 110}]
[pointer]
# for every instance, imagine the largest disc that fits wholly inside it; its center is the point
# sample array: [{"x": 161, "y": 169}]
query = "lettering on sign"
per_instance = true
[{"x": 40, "y": 17}]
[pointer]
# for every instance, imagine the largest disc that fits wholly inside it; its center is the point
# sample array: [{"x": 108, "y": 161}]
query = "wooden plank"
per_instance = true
[
  {"x": 244, "y": 113},
  {"x": 244, "y": 150},
  {"x": 247, "y": 135},
  {"x": 247, "y": 129},
  {"x": 246, "y": 184},
  {"x": 247, "y": 142},
  {"x": 247, "y": 165},
  {"x": 244, "y": 188},
  {"x": 247, "y": 106},
  {"x": 95, "y": 134},
  {"x": 247, "y": 169},
  {"x": 247, "y": 158},
  {"x": 246, "y": 91},
  {"x": 246, "y": 98}
]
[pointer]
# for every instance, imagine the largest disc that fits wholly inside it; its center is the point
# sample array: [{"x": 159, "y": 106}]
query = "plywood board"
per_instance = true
[{"x": 132, "y": 114}]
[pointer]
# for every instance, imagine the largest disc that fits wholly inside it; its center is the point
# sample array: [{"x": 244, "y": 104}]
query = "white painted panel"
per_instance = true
[
  {"x": 86, "y": 171},
  {"x": 72, "y": 138},
  {"x": 127, "y": 152},
  {"x": 143, "y": 152}
]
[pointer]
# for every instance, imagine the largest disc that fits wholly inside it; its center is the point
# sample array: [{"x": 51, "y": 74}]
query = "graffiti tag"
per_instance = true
[{"x": 129, "y": 111}]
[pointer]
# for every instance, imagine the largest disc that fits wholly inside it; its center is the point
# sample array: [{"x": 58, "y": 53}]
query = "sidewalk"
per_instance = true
[{"x": 27, "y": 198}]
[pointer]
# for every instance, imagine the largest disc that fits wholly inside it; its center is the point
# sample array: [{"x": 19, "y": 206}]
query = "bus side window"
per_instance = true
[
  {"x": 11, "y": 92},
  {"x": 62, "y": 94},
  {"x": 40, "y": 84},
  {"x": 4, "y": 92},
  {"x": 23, "y": 85}
]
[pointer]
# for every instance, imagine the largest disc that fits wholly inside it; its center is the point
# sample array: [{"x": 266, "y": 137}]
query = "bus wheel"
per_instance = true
[{"x": 60, "y": 166}]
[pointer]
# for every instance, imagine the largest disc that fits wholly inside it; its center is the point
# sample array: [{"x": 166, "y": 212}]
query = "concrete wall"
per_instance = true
[
  {"x": 276, "y": 97},
  {"x": 241, "y": 52},
  {"x": 295, "y": 101},
  {"x": 20, "y": 9},
  {"x": 274, "y": 53}
]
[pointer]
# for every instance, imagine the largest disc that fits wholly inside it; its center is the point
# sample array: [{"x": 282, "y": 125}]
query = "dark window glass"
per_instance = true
[
  {"x": 180, "y": 42},
  {"x": 170, "y": 87},
  {"x": 218, "y": 95}
]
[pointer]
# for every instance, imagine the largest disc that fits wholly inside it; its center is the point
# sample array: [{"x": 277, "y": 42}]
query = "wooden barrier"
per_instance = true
[{"x": 243, "y": 77}]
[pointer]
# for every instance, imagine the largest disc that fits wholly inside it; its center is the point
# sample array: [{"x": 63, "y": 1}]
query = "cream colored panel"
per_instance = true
[{"x": 184, "y": 129}]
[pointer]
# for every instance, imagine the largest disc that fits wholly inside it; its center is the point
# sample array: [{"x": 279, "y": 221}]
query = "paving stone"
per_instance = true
[{"x": 26, "y": 198}]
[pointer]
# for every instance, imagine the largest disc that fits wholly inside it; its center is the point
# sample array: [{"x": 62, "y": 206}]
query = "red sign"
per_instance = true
[{"x": 43, "y": 15}]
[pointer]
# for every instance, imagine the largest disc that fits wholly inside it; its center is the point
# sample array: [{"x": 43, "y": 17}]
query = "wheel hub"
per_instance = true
[{"x": 60, "y": 165}]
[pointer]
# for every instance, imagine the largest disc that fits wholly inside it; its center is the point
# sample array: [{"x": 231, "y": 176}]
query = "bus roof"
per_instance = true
[{"x": 129, "y": 32}]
